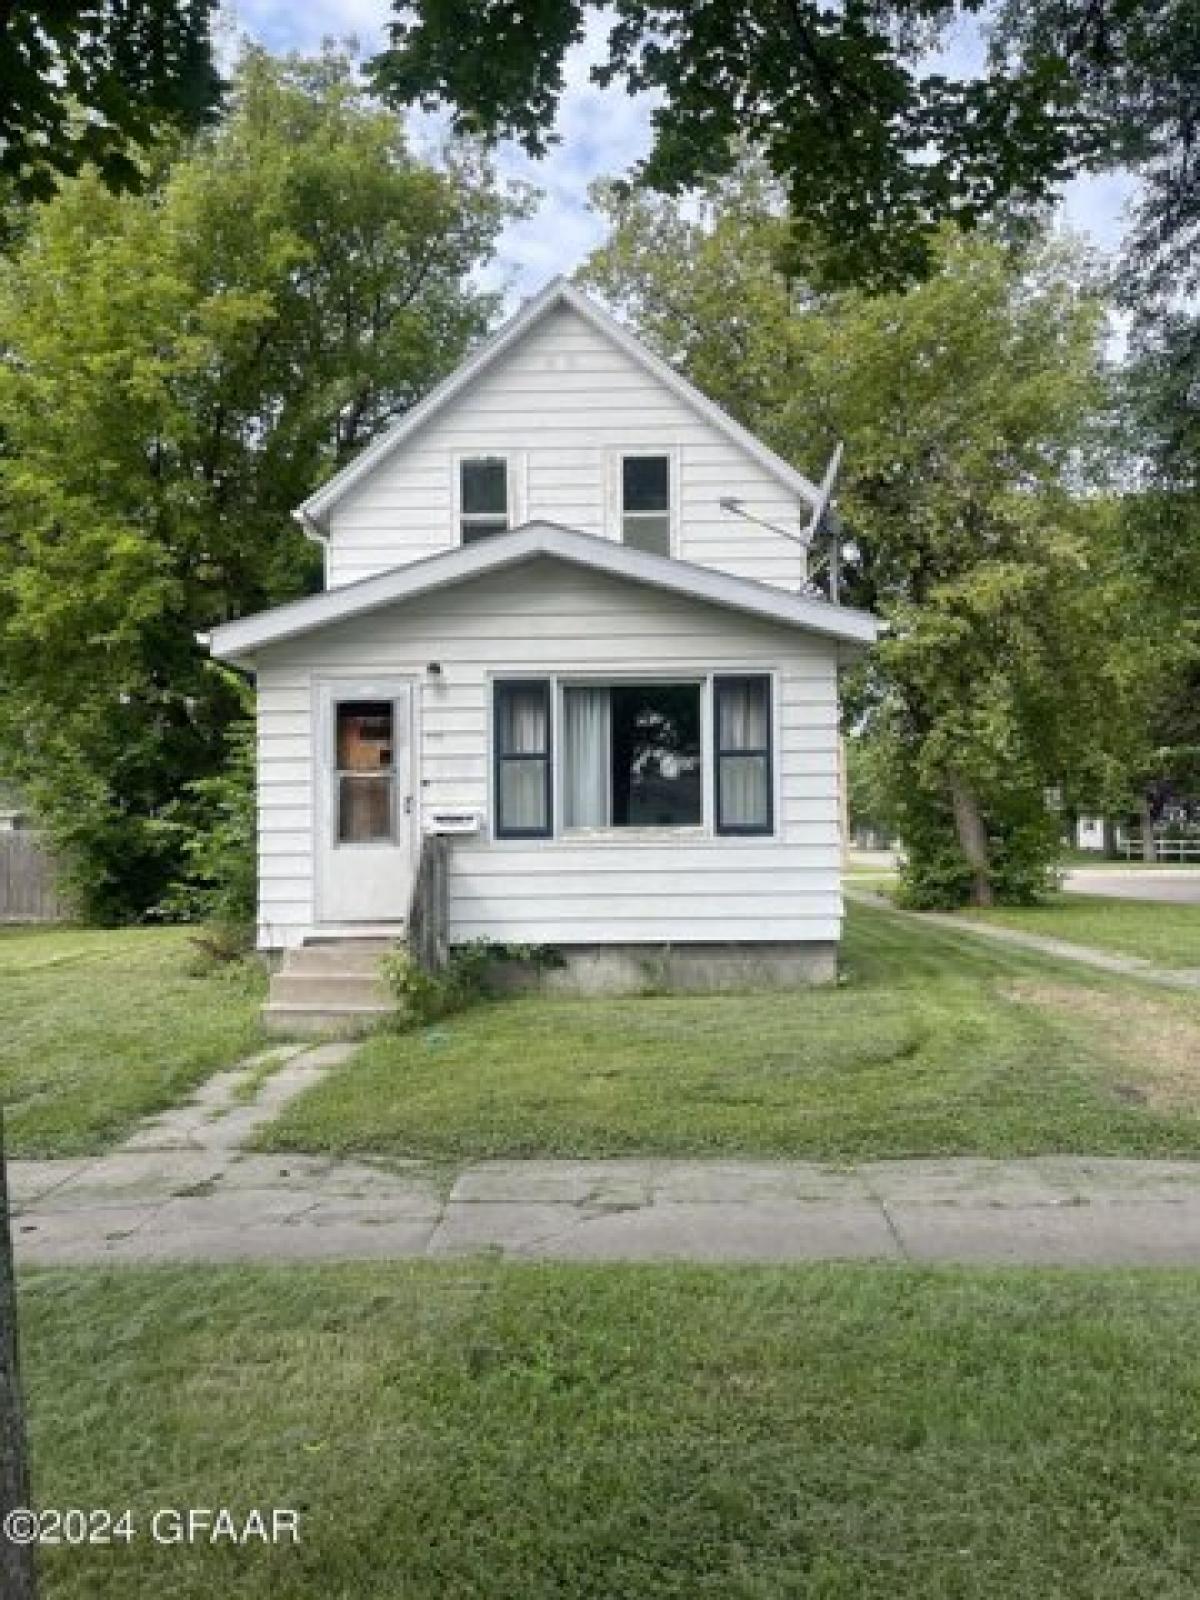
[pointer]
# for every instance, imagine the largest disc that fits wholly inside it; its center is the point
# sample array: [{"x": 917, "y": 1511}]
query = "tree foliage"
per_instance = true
[
  {"x": 180, "y": 368},
  {"x": 968, "y": 407},
  {"x": 874, "y": 136},
  {"x": 83, "y": 81}
]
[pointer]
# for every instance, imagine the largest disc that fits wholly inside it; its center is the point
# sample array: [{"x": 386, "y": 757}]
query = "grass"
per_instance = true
[
  {"x": 936, "y": 1044},
  {"x": 1161, "y": 932},
  {"x": 665, "y": 1433},
  {"x": 98, "y": 1029}
]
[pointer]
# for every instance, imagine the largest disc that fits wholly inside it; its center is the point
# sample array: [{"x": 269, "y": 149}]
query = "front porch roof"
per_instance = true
[{"x": 239, "y": 640}]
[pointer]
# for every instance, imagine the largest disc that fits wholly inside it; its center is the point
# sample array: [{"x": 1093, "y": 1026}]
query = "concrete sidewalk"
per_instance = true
[
  {"x": 196, "y": 1205},
  {"x": 183, "y": 1188}
]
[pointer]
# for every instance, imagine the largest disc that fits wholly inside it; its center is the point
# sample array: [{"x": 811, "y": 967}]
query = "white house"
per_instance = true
[{"x": 546, "y": 638}]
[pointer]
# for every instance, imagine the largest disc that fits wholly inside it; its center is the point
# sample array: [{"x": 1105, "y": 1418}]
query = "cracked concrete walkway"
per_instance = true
[
  {"x": 182, "y": 1189},
  {"x": 1187, "y": 978}
]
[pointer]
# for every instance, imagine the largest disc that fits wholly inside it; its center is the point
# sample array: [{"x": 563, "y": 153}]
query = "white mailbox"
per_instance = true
[{"x": 454, "y": 819}]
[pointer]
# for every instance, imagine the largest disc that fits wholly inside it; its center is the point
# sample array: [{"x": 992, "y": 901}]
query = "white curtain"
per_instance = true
[
  {"x": 523, "y": 723},
  {"x": 742, "y": 725},
  {"x": 523, "y": 794},
  {"x": 523, "y": 732},
  {"x": 587, "y": 725},
  {"x": 743, "y": 719}
]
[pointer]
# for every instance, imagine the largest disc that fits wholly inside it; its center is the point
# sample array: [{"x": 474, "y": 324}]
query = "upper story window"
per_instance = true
[
  {"x": 483, "y": 497},
  {"x": 646, "y": 503}
]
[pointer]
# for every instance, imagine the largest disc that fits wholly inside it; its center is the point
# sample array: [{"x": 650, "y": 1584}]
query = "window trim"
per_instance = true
[
  {"x": 732, "y": 830},
  {"x": 545, "y": 686},
  {"x": 611, "y": 837},
  {"x": 513, "y": 484},
  {"x": 670, "y": 455}
]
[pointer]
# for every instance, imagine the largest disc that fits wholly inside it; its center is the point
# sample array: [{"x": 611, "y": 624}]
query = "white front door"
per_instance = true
[{"x": 365, "y": 801}]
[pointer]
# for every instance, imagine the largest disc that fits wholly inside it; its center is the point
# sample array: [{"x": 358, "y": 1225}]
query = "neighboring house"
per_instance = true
[{"x": 544, "y": 637}]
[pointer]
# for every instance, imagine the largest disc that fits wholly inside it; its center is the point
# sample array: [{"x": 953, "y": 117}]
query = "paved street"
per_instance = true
[{"x": 1178, "y": 885}]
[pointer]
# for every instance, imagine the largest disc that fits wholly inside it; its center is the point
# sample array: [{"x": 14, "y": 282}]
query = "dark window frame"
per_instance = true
[
  {"x": 500, "y": 687},
  {"x": 643, "y": 517},
  {"x": 743, "y": 829},
  {"x": 478, "y": 520}
]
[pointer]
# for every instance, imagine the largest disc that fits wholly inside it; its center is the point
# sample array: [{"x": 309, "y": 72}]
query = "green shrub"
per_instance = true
[
  {"x": 1023, "y": 851},
  {"x": 466, "y": 979}
]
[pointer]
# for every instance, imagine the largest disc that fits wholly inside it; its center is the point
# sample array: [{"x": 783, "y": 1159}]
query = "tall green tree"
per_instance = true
[
  {"x": 85, "y": 82},
  {"x": 968, "y": 408},
  {"x": 873, "y": 131},
  {"x": 178, "y": 369}
]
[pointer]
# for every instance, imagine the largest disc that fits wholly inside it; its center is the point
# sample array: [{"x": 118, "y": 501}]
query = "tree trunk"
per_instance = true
[
  {"x": 972, "y": 839},
  {"x": 1111, "y": 852},
  {"x": 17, "y": 1577},
  {"x": 1149, "y": 853}
]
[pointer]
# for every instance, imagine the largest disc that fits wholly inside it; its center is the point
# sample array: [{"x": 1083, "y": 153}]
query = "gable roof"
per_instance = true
[
  {"x": 556, "y": 293},
  {"x": 237, "y": 640}
]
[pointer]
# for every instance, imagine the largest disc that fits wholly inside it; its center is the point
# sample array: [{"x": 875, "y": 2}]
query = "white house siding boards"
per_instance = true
[
  {"x": 545, "y": 618},
  {"x": 562, "y": 403}
]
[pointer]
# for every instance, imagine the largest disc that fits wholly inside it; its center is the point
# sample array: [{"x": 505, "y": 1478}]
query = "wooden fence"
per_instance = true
[{"x": 28, "y": 891}]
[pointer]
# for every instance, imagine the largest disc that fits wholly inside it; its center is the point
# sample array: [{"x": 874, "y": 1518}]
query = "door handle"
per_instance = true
[{"x": 408, "y": 805}]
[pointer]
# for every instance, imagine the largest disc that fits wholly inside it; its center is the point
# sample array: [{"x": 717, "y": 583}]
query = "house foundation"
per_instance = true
[{"x": 590, "y": 970}]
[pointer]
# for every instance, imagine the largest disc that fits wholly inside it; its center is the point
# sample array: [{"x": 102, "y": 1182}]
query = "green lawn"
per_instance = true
[
  {"x": 99, "y": 1028},
  {"x": 1166, "y": 934},
  {"x": 597, "y": 1433},
  {"x": 936, "y": 1043}
]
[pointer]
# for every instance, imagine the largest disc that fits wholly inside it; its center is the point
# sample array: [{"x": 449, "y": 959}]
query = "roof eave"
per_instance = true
[{"x": 237, "y": 640}]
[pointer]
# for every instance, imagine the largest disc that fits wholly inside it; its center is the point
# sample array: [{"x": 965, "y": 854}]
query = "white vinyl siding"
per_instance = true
[
  {"x": 547, "y": 619},
  {"x": 564, "y": 404}
]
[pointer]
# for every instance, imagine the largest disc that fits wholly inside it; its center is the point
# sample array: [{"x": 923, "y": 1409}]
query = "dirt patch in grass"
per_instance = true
[{"x": 1158, "y": 1041}]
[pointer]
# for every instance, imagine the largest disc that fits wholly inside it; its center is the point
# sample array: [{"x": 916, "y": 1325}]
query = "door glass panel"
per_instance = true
[
  {"x": 364, "y": 736},
  {"x": 364, "y": 808},
  {"x": 365, "y": 753}
]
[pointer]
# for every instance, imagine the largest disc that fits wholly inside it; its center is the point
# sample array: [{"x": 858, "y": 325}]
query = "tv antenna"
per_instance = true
[{"x": 824, "y": 520}]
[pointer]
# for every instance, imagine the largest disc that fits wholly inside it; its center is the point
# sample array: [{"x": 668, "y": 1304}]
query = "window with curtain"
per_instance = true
[
  {"x": 522, "y": 756},
  {"x": 482, "y": 497},
  {"x": 742, "y": 754},
  {"x": 646, "y": 503},
  {"x": 365, "y": 762},
  {"x": 632, "y": 756}
]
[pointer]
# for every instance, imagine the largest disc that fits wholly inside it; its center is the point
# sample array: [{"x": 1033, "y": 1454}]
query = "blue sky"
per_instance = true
[{"x": 603, "y": 133}]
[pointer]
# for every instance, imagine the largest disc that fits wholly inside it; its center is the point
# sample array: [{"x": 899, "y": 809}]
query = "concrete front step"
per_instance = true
[
  {"x": 358, "y": 956},
  {"x": 328, "y": 988},
  {"x": 322, "y": 1021}
]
